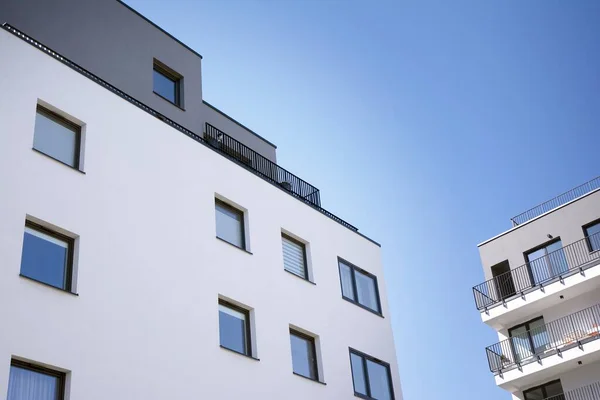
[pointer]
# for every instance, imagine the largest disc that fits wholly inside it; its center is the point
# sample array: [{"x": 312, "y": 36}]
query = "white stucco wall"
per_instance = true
[{"x": 150, "y": 270}]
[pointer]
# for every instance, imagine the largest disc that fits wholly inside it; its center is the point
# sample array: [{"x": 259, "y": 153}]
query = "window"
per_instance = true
[
  {"x": 545, "y": 391},
  {"x": 57, "y": 137},
  {"x": 47, "y": 256},
  {"x": 30, "y": 382},
  {"x": 359, "y": 286},
  {"x": 230, "y": 224},
  {"x": 546, "y": 262},
  {"x": 294, "y": 256},
  {"x": 304, "y": 355},
  {"x": 167, "y": 83},
  {"x": 371, "y": 377},
  {"x": 592, "y": 234},
  {"x": 529, "y": 339},
  {"x": 234, "y": 328}
]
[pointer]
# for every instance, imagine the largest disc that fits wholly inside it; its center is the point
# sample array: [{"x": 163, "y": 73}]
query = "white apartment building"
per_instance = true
[
  {"x": 151, "y": 247},
  {"x": 542, "y": 296}
]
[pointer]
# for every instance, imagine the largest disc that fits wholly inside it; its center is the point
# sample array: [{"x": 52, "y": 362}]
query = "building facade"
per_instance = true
[
  {"x": 542, "y": 296},
  {"x": 150, "y": 245}
]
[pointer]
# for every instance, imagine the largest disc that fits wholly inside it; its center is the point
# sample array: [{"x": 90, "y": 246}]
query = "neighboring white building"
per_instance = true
[
  {"x": 142, "y": 260},
  {"x": 542, "y": 296}
]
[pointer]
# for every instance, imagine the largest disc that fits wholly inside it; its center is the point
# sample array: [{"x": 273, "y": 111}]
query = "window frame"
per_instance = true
[
  {"x": 247, "y": 328},
  {"x": 46, "y": 371},
  {"x": 223, "y": 204},
  {"x": 543, "y": 387},
  {"x": 70, "y": 254},
  {"x": 304, "y": 256},
  {"x": 172, "y": 76},
  {"x": 545, "y": 256},
  {"x": 70, "y": 125},
  {"x": 587, "y": 237},
  {"x": 353, "y": 269},
  {"x": 375, "y": 360},
  {"x": 311, "y": 340}
]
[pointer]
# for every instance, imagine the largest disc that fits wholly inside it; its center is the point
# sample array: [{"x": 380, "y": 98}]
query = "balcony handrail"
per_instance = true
[
  {"x": 588, "y": 392},
  {"x": 572, "y": 330},
  {"x": 557, "y": 201},
  {"x": 77, "y": 68},
  {"x": 538, "y": 272}
]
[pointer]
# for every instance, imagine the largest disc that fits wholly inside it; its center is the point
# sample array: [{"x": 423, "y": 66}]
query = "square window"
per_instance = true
[
  {"x": 30, "y": 382},
  {"x": 47, "y": 256},
  {"x": 294, "y": 256},
  {"x": 371, "y": 377},
  {"x": 234, "y": 328},
  {"x": 167, "y": 83},
  {"x": 230, "y": 224},
  {"x": 57, "y": 137},
  {"x": 592, "y": 234},
  {"x": 304, "y": 355},
  {"x": 359, "y": 286}
]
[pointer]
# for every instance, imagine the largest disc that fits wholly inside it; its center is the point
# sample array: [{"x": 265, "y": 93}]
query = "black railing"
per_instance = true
[
  {"x": 558, "y": 201},
  {"x": 574, "y": 330},
  {"x": 282, "y": 180},
  {"x": 589, "y": 392},
  {"x": 536, "y": 273},
  {"x": 265, "y": 167}
]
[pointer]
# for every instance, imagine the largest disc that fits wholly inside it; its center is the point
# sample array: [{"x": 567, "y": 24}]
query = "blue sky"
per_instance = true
[{"x": 427, "y": 124}]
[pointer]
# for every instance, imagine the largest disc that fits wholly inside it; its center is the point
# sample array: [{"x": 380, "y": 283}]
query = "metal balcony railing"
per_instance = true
[
  {"x": 574, "y": 330},
  {"x": 589, "y": 392},
  {"x": 558, "y": 201},
  {"x": 569, "y": 259},
  {"x": 265, "y": 167}
]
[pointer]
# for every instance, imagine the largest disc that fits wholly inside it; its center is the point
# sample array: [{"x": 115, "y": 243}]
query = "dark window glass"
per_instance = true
[
  {"x": 304, "y": 360},
  {"x": 230, "y": 224},
  {"x": 547, "y": 262},
  {"x": 371, "y": 377},
  {"x": 55, "y": 136},
  {"x": 548, "y": 390},
  {"x": 27, "y": 382},
  {"x": 294, "y": 256},
  {"x": 46, "y": 256},
  {"x": 593, "y": 236},
  {"x": 234, "y": 328},
  {"x": 167, "y": 84},
  {"x": 359, "y": 286}
]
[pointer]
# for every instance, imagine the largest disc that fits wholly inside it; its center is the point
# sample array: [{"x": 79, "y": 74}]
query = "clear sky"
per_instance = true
[{"x": 427, "y": 124}]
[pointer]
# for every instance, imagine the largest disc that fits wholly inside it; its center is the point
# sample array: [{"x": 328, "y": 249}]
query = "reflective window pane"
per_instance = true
[
  {"x": 366, "y": 291},
  {"x": 379, "y": 381},
  {"x": 45, "y": 258},
  {"x": 593, "y": 234},
  {"x": 347, "y": 284},
  {"x": 165, "y": 86},
  {"x": 303, "y": 356},
  {"x": 25, "y": 384},
  {"x": 230, "y": 224},
  {"x": 54, "y": 137},
  {"x": 232, "y": 329},
  {"x": 358, "y": 374}
]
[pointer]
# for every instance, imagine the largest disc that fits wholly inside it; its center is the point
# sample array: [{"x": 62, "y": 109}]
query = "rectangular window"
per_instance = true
[
  {"x": 57, "y": 137},
  {"x": 294, "y": 256},
  {"x": 30, "y": 382},
  {"x": 546, "y": 262},
  {"x": 592, "y": 234},
  {"x": 359, "y": 286},
  {"x": 372, "y": 378},
  {"x": 230, "y": 224},
  {"x": 167, "y": 83},
  {"x": 546, "y": 391},
  {"x": 47, "y": 256},
  {"x": 234, "y": 328},
  {"x": 304, "y": 355},
  {"x": 529, "y": 339}
]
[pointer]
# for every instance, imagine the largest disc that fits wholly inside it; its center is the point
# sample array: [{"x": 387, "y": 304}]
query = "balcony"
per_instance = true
[
  {"x": 558, "y": 201},
  {"x": 589, "y": 392},
  {"x": 536, "y": 274}
]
